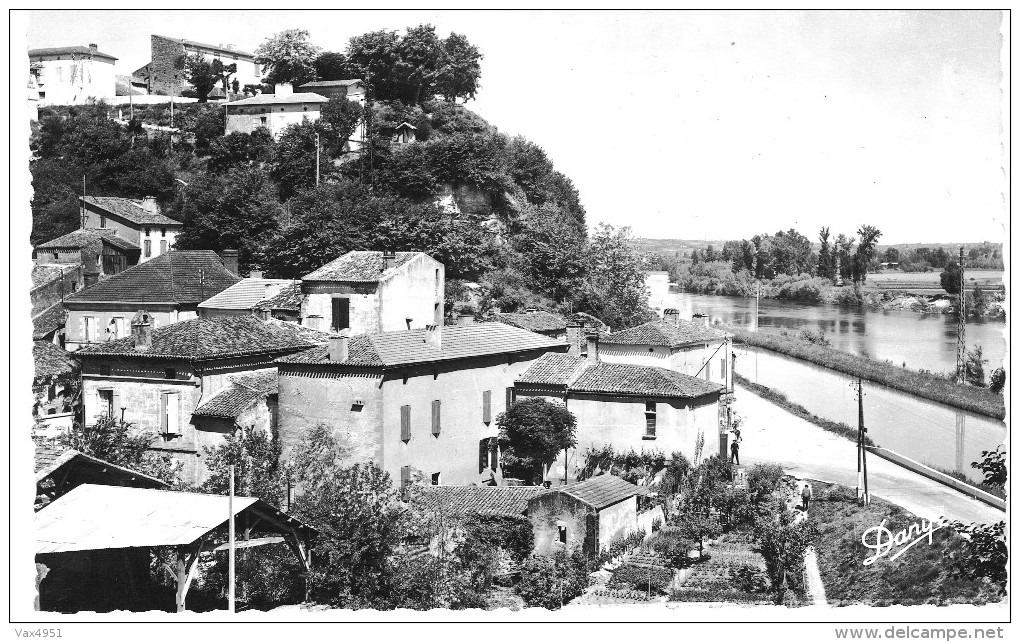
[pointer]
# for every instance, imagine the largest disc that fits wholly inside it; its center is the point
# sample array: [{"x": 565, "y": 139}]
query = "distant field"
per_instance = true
[{"x": 928, "y": 281}]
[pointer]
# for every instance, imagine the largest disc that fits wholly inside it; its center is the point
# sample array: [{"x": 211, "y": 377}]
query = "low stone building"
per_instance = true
[
  {"x": 137, "y": 221},
  {"x": 101, "y": 251},
  {"x": 422, "y": 400},
  {"x": 159, "y": 377},
  {"x": 72, "y": 75},
  {"x": 370, "y": 291},
  {"x": 248, "y": 403},
  {"x": 284, "y": 306},
  {"x": 169, "y": 287},
  {"x": 626, "y": 406},
  {"x": 54, "y": 385},
  {"x": 275, "y": 112},
  {"x": 573, "y": 328},
  {"x": 162, "y": 76}
]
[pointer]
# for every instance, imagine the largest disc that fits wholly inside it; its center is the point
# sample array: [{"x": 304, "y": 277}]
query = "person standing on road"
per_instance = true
[
  {"x": 735, "y": 453},
  {"x": 805, "y": 496}
]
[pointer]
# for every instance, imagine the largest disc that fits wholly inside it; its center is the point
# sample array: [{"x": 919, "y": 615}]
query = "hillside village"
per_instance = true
[{"x": 338, "y": 324}]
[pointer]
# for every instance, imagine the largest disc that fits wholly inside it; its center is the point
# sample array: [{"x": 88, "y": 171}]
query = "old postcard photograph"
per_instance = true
[{"x": 686, "y": 317}]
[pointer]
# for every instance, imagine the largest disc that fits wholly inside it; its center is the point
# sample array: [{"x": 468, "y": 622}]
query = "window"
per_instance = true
[
  {"x": 108, "y": 402},
  {"x": 650, "y": 419},
  {"x": 436, "y": 479},
  {"x": 488, "y": 455},
  {"x": 563, "y": 534},
  {"x": 263, "y": 118},
  {"x": 437, "y": 315},
  {"x": 487, "y": 406},
  {"x": 162, "y": 231},
  {"x": 405, "y": 476},
  {"x": 509, "y": 397},
  {"x": 341, "y": 314},
  {"x": 89, "y": 329},
  {"x": 168, "y": 415},
  {"x": 148, "y": 248},
  {"x": 405, "y": 423},
  {"x": 102, "y": 221},
  {"x": 56, "y": 255},
  {"x": 435, "y": 417},
  {"x": 162, "y": 247},
  {"x": 105, "y": 370},
  {"x": 170, "y": 373},
  {"x": 148, "y": 231},
  {"x": 119, "y": 328}
]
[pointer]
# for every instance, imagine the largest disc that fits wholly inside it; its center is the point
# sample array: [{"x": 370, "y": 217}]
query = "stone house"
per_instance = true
[
  {"x": 574, "y": 328},
  {"x": 626, "y": 406},
  {"x": 161, "y": 75},
  {"x": 54, "y": 385},
  {"x": 242, "y": 297},
  {"x": 138, "y": 221},
  {"x": 159, "y": 377},
  {"x": 72, "y": 75},
  {"x": 284, "y": 306},
  {"x": 169, "y": 287},
  {"x": 352, "y": 89},
  {"x": 368, "y": 292},
  {"x": 101, "y": 251},
  {"x": 694, "y": 349},
  {"x": 422, "y": 400},
  {"x": 587, "y": 515},
  {"x": 276, "y": 112},
  {"x": 248, "y": 403}
]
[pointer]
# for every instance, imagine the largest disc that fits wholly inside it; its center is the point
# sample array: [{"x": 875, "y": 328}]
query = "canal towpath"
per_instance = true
[{"x": 771, "y": 434}]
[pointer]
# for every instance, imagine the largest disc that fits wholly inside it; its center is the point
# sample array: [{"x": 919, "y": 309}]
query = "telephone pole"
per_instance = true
[
  {"x": 862, "y": 453},
  {"x": 317, "y": 148},
  {"x": 961, "y": 329}
]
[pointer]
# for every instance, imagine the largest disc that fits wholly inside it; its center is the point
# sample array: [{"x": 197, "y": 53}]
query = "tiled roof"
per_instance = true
[
  {"x": 129, "y": 210},
  {"x": 209, "y": 338},
  {"x": 47, "y": 453},
  {"x": 175, "y": 277},
  {"x": 408, "y": 347},
  {"x": 63, "y": 51},
  {"x": 86, "y": 237},
  {"x": 587, "y": 320},
  {"x": 288, "y": 299},
  {"x": 52, "y": 360},
  {"x": 244, "y": 294},
  {"x": 624, "y": 378},
  {"x": 539, "y": 321},
  {"x": 601, "y": 491},
  {"x": 202, "y": 45},
  {"x": 243, "y": 391},
  {"x": 552, "y": 368},
  {"x": 273, "y": 99},
  {"x": 360, "y": 266},
  {"x": 613, "y": 378},
  {"x": 51, "y": 457},
  {"x": 51, "y": 319},
  {"x": 43, "y": 273},
  {"x": 458, "y": 500},
  {"x": 331, "y": 83},
  {"x": 661, "y": 333}
]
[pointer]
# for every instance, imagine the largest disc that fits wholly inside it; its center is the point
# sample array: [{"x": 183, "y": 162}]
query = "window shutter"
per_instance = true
[
  {"x": 487, "y": 406},
  {"x": 509, "y": 397},
  {"x": 435, "y": 417},
  {"x": 405, "y": 423},
  {"x": 483, "y": 454},
  {"x": 116, "y": 405},
  {"x": 405, "y": 474},
  {"x": 162, "y": 412},
  {"x": 81, "y": 329}
]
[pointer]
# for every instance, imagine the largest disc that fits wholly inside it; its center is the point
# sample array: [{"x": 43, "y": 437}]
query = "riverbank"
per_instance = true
[{"x": 927, "y": 386}]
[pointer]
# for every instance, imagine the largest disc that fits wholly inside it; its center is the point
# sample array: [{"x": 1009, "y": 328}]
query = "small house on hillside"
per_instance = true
[
  {"x": 352, "y": 89},
  {"x": 72, "y": 75},
  {"x": 573, "y": 328},
  {"x": 139, "y": 222},
  {"x": 54, "y": 385},
  {"x": 242, "y": 297},
  {"x": 275, "y": 112},
  {"x": 169, "y": 288},
  {"x": 284, "y": 306},
  {"x": 101, "y": 251}
]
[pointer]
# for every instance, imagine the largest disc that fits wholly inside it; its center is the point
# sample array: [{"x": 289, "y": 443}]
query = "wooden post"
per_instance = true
[
  {"x": 182, "y": 574},
  {"x": 231, "y": 603}
]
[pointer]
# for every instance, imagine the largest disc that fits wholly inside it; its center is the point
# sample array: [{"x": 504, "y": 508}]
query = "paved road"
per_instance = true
[{"x": 771, "y": 434}]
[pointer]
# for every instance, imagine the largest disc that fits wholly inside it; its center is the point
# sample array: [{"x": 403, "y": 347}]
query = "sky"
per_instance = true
[{"x": 701, "y": 125}]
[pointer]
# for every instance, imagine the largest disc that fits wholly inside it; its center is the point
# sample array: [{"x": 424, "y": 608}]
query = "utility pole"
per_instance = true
[
  {"x": 317, "y": 148},
  {"x": 862, "y": 453},
  {"x": 961, "y": 329},
  {"x": 84, "y": 217},
  {"x": 231, "y": 603},
  {"x": 369, "y": 140}
]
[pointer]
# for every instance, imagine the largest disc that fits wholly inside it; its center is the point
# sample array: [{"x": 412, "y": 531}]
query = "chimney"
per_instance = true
[
  {"x": 230, "y": 261},
  {"x": 465, "y": 318},
  {"x": 575, "y": 338},
  {"x": 671, "y": 316},
  {"x": 149, "y": 205},
  {"x": 593, "y": 348},
  {"x": 389, "y": 259},
  {"x": 93, "y": 47},
  {"x": 141, "y": 331},
  {"x": 255, "y": 274},
  {"x": 434, "y": 336},
  {"x": 283, "y": 89},
  {"x": 339, "y": 346}
]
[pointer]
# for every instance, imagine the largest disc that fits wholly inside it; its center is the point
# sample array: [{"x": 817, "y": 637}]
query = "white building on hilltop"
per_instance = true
[
  {"x": 72, "y": 75},
  {"x": 275, "y": 111}
]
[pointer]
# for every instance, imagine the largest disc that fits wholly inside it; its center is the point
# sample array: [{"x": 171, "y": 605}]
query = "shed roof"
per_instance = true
[
  {"x": 175, "y": 277},
  {"x": 576, "y": 374},
  {"x": 242, "y": 392},
  {"x": 49, "y": 320},
  {"x": 273, "y": 99},
  {"x": 52, "y": 360},
  {"x": 86, "y": 237},
  {"x": 244, "y": 294},
  {"x": 52, "y": 460},
  {"x": 661, "y": 333},
  {"x": 209, "y": 338},
  {"x": 492, "y": 500},
  {"x": 129, "y": 210},
  {"x": 94, "y": 517},
  {"x": 602, "y": 491},
  {"x": 408, "y": 347},
  {"x": 364, "y": 266}
]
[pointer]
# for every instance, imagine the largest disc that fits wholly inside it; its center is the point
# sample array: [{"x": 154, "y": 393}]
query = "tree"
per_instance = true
[
  {"x": 223, "y": 73},
  {"x": 892, "y": 255},
  {"x": 950, "y": 278},
  {"x": 357, "y": 513},
  {"x": 532, "y": 434},
  {"x": 239, "y": 148},
  {"x": 287, "y": 57},
  {"x": 782, "y": 544},
  {"x": 866, "y": 251},
  {"x": 845, "y": 252},
  {"x": 255, "y": 456},
  {"x": 993, "y": 465},
  {"x": 997, "y": 380},
  {"x": 339, "y": 120},
  {"x": 293, "y": 164},
  {"x": 416, "y": 67},
  {"x": 459, "y": 68},
  {"x": 974, "y": 367},
  {"x": 613, "y": 289},
  {"x": 207, "y": 126},
  {"x": 826, "y": 259},
  {"x": 331, "y": 65},
  {"x": 116, "y": 441},
  {"x": 551, "y": 582},
  {"x": 199, "y": 72},
  {"x": 374, "y": 55}
]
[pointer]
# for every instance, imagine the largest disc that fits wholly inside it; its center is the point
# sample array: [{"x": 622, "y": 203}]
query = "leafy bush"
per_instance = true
[
  {"x": 993, "y": 465},
  {"x": 653, "y": 580},
  {"x": 750, "y": 578},
  {"x": 551, "y": 582},
  {"x": 621, "y": 545}
]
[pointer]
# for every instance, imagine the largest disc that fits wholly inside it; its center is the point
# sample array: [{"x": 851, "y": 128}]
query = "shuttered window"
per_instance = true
[
  {"x": 650, "y": 419},
  {"x": 487, "y": 406},
  {"x": 405, "y": 423},
  {"x": 405, "y": 475},
  {"x": 116, "y": 406},
  {"x": 341, "y": 317},
  {"x": 435, "y": 417},
  {"x": 509, "y": 397},
  {"x": 168, "y": 416}
]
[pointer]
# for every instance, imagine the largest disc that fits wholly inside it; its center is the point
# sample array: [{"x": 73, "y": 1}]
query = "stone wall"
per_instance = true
[{"x": 551, "y": 511}]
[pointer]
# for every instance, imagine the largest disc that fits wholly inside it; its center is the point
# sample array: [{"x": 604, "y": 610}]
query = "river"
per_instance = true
[{"x": 920, "y": 341}]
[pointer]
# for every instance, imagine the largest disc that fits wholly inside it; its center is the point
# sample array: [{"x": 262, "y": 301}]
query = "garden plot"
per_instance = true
[{"x": 732, "y": 572}]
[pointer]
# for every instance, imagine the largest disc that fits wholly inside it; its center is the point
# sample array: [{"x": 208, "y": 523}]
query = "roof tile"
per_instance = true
[
  {"x": 577, "y": 375},
  {"x": 359, "y": 266},
  {"x": 288, "y": 299},
  {"x": 129, "y": 210},
  {"x": 175, "y": 277},
  {"x": 492, "y": 500},
  {"x": 87, "y": 237},
  {"x": 52, "y": 360},
  {"x": 601, "y": 491},
  {"x": 244, "y": 294},
  {"x": 242, "y": 393},
  {"x": 661, "y": 333}
]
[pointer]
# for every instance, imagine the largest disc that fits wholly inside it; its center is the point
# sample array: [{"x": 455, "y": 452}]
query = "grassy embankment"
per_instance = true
[
  {"x": 927, "y": 386},
  {"x": 922, "y": 575}
]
